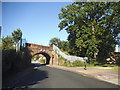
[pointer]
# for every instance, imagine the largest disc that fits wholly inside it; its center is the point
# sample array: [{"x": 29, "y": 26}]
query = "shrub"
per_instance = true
[
  {"x": 61, "y": 60},
  {"x": 77, "y": 63},
  {"x": 118, "y": 60},
  {"x": 11, "y": 60},
  {"x": 67, "y": 63},
  {"x": 96, "y": 63},
  {"x": 42, "y": 61}
]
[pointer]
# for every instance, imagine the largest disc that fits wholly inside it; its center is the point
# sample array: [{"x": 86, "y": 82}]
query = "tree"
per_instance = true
[
  {"x": 64, "y": 46},
  {"x": 92, "y": 28},
  {"x": 7, "y": 43},
  {"x": 56, "y": 41},
  {"x": 17, "y": 35},
  {"x": 36, "y": 57}
]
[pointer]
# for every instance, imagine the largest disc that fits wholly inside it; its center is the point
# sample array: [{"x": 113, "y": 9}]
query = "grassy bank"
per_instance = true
[{"x": 63, "y": 62}]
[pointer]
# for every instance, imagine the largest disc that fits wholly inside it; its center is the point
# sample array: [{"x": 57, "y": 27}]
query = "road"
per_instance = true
[{"x": 48, "y": 77}]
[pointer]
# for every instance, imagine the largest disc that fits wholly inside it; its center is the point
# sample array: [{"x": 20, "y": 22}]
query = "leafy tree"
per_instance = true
[
  {"x": 64, "y": 46},
  {"x": 55, "y": 41},
  {"x": 10, "y": 41},
  {"x": 36, "y": 57},
  {"x": 17, "y": 35},
  {"x": 7, "y": 43},
  {"x": 92, "y": 27}
]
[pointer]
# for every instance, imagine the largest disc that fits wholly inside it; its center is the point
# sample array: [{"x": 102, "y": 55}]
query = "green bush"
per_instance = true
[
  {"x": 96, "y": 63},
  {"x": 108, "y": 65},
  {"x": 118, "y": 60},
  {"x": 77, "y": 63},
  {"x": 67, "y": 63},
  {"x": 62, "y": 61},
  {"x": 61, "y": 58},
  {"x": 11, "y": 60},
  {"x": 42, "y": 61}
]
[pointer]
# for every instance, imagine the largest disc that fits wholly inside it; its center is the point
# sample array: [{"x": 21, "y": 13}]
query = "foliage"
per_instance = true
[
  {"x": 13, "y": 61},
  {"x": 8, "y": 56},
  {"x": 7, "y": 43},
  {"x": 92, "y": 27},
  {"x": 36, "y": 57},
  {"x": 63, "y": 45},
  {"x": 77, "y": 63},
  {"x": 65, "y": 52},
  {"x": 67, "y": 63},
  {"x": 56, "y": 41},
  {"x": 108, "y": 65},
  {"x": 61, "y": 60},
  {"x": 17, "y": 35},
  {"x": 117, "y": 58},
  {"x": 42, "y": 61},
  {"x": 10, "y": 41}
]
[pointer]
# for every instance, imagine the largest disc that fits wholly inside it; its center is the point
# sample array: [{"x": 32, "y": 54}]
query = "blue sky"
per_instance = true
[{"x": 37, "y": 20}]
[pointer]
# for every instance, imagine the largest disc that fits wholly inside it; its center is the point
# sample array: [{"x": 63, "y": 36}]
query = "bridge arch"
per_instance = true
[
  {"x": 48, "y": 57},
  {"x": 46, "y": 51}
]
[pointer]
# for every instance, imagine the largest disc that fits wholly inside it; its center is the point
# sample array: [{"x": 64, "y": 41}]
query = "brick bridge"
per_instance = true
[{"x": 47, "y": 51}]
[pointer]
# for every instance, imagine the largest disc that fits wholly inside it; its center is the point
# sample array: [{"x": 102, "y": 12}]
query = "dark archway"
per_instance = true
[{"x": 46, "y": 55}]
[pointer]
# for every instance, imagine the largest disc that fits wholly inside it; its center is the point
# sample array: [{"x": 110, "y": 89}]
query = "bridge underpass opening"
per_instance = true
[{"x": 42, "y": 58}]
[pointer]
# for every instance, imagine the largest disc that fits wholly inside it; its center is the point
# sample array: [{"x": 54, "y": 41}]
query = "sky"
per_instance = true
[{"x": 37, "y": 20}]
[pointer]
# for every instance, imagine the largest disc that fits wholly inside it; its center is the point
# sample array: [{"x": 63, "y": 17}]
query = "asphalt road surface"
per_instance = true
[{"x": 48, "y": 77}]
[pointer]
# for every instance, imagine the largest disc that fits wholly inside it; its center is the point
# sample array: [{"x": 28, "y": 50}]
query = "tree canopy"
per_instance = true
[
  {"x": 7, "y": 43},
  {"x": 17, "y": 35},
  {"x": 92, "y": 27},
  {"x": 55, "y": 41},
  {"x": 63, "y": 45}
]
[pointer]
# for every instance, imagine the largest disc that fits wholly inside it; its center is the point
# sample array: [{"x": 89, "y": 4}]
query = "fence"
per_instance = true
[{"x": 68, "y": 57}]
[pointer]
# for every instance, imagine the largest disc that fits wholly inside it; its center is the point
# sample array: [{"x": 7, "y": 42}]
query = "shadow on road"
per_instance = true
[
  {"x": 35, "y": 76},
  {"x": 38, "y": 64}
]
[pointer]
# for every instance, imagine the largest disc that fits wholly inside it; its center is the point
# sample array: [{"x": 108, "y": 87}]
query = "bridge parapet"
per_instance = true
[{"x": 39, "y": 47}]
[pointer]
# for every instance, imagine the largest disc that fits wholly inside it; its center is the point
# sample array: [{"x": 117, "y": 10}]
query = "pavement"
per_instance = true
[{"x": 108, "y": 74}]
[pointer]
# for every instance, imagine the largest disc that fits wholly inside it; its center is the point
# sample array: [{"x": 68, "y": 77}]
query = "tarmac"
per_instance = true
[
  {"x": 9, "y": 82},
  {"x": 108, "y": 74}
]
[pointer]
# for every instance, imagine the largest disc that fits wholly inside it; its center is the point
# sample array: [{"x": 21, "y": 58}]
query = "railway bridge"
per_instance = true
[{"x": 47, "y": 51}]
